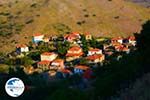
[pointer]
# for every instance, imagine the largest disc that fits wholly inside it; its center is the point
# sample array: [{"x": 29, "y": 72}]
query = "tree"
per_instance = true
[
  {"x": 84, "y": 44},
  {"x": 143, "y": 43},
  {"x": 62, "y": 47},
  {"x": 93, "y": 43},
  {"x": 67, "y": 94}
]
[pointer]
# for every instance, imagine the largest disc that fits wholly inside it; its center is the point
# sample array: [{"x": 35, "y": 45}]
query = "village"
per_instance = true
[{"x": 62, "y": 56}]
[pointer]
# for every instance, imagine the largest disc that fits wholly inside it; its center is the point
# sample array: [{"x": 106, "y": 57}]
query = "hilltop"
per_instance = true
[{"x": 21, "y": 18}]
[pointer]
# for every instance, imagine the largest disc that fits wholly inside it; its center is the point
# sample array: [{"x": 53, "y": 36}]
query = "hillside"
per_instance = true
[
  {"x": 21, "y": 18},
  {"x": 145, "y": 3}
]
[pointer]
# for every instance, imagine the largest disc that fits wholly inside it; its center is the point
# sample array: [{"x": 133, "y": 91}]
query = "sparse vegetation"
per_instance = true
[
  {"x": 46, "y": 18},
  {"x": 34, "y": 5},
  {"x": 29, "y": 21},
  {"x": 62, "y": 28},
  {"x": 86, "y": 15}
]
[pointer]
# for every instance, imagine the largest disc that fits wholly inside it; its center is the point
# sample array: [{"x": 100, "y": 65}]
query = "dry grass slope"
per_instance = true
[{"x": 100, "y": 17}]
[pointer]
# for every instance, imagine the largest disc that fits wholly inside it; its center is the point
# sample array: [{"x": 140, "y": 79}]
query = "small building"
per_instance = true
[
  {"x": 57, "y": 64},
  {"x": 49, "y": 56},
  {"x": 119, "y": 47},
  {"x": 88, "y": 36},
  {"x": 22, "y": 48},
  {"x": 72, "y": 37},
  {"x": 132, "y": 40},
  {"x": 94, "y": 51},
  {"x": 117, "y": 40},
  {"x": 96, "y": 58},
  {"x": 122, "y": 48},
  {"x": 46, "y": 40},
  {"x": 38, "y": 37},
  {"x": 44, "y": 65},
  {"x": 80, "y": 69},
  {"x": 74, "y": 53}
]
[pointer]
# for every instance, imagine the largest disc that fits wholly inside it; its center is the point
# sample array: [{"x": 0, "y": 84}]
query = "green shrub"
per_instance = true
[{"x": 62, "y": 28}]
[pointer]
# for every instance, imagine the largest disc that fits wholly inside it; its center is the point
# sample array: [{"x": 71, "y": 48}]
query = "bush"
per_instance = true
[
  {"x": 62, "y": 28},
  {"x": 29, "y": 21},
  {"x": 4, "y": 68}
]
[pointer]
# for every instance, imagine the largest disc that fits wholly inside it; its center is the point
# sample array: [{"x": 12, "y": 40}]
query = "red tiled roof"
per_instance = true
[
  {"x": 72, "y": 54},
  {"x": 21, "y": 46},
  {"x": 93, "y": 57},
  {"x": 72, "y": 36},
  {"x": 75, "y": 48},
  {"x": 48, "y": 53},
  {"x": 121, "y": 48},
  {"x": 58, "y": 61},
  {"x": 82, "y": 67},
  {"x": 37, "y": 34},
  {"x": 132, "y": 38},
  {"x": 94, "y": 49},
  {"x": 44, "y": 62}
]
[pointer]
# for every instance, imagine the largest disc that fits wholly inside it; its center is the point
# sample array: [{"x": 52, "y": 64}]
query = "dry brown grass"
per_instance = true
[{"x": 112, "y": 18}]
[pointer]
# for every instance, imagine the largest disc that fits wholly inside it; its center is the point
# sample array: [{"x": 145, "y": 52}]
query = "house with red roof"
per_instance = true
[
  {"x": 57, "y": 64},
  {"x": 93, "y": 51},
  {"x": 132, "y": 40},
  {"x": 48, "y": 56},
  {"x": 117, "y": 40},
  {"x": 80, "y": 69},
  {"x": 88, "y": 36},
  {"x": 122, "y": 48},
  {"x": 22, "y": 48},
  {"x": 119, "y": 47},
  {"x": 44, "y": 64},
  {"x": 72, "y": 37},
  {"x": 74, "y": 53},
  {"x": 38, "y": 37},
  {"x": 96, "y": 58}
]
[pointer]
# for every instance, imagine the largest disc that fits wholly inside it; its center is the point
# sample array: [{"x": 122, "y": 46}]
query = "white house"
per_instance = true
[
  {"x": 117, "y": 40},
  {"x": 44, "y": 64},
  {"x": 48, "y": 56},
  {"x": 57, "y": 64},
  {"x": 94, "y": 51},
  {"x": 132, "y": 40},
  {"x": 72, "y": 37},
  {"x": 22, "y": 48},
  {"x": 96, "y": 58},
  {"x": 38, "y": 37},
  {"x": 73, "y": 53}
]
